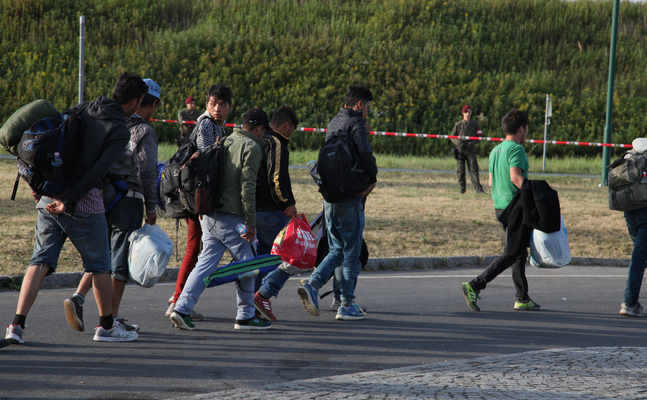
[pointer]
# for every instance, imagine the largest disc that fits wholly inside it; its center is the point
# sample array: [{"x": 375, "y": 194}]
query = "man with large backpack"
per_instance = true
[
  {"x": 344, "y": 203},
  {"x": 131, "y": 181},
  {"x": 78, "y": 213},
  {"x": 209, "y": 127},
  {"x": 220, "y": 229}
]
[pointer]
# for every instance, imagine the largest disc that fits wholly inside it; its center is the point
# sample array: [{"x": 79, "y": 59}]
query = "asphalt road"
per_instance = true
[{"x": 415, "y": 317}]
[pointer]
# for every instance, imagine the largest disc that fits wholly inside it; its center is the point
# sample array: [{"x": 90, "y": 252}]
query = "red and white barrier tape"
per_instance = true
[{"x": 430, "y": 136}]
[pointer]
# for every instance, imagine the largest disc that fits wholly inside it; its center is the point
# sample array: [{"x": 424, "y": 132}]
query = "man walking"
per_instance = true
[
  {"x": 508, "y": 170},
  {"x": 136, "y": 170},
  {"x": 465, "y": 151},
  {"x": 275, "y": 203},
  {"x": 345, "y": 219},
  {"x": 79, "y": 212},
  {"x": 190, "y": 113},
  {"x": 637, "y": 226},
  {"x": 209, "y": 127},
  {"x": 242, "y": 157}
]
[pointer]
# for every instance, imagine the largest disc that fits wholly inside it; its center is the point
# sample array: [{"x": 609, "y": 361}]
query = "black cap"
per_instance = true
[{"x": 256, "y": 116}]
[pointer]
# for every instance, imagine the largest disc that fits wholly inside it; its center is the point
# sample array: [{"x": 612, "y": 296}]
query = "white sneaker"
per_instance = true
[
  {"x": 14, "y": 334},
  {"x": 336, "y": 303},
  {"x": 170, "y": 309},
  {"x": 116, "y": 334}
]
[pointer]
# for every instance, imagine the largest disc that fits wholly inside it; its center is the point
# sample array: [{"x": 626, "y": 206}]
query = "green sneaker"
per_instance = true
[
  {"x": 252, "y": 324},
  {"x": 526, "y": 306},
  {"x": 470, "y": 296},
  {"x": 182, "y": 322}
]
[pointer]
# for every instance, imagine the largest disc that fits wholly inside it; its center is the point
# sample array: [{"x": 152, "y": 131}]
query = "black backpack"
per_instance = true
[
  {"x": 191, "y": 182},
  {"x": 49, "y": 153},
  {"x": 339, "y": 168}
]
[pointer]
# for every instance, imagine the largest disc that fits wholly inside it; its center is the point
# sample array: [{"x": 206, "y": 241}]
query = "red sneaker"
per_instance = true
[{"x": 264, "y": 306}]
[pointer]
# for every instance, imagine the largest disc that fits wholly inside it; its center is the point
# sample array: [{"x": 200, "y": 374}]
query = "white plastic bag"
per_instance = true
[
  {"x": 550, "y": 250},
  {"x": 149, "y": 254}
]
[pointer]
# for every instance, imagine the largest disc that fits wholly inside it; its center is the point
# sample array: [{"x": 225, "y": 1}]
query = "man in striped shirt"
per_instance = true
[{"x": 209, "y": 127}]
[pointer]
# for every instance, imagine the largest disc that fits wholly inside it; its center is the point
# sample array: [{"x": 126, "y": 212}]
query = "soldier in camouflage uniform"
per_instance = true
[
  {"x": 190, "y": 113},
  {"x": 465, "y": 151}
]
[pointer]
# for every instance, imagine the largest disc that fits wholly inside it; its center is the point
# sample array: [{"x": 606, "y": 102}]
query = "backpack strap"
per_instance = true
[
  {"x": 15, "y": 187},
  {"x": 121, "y": 187}
]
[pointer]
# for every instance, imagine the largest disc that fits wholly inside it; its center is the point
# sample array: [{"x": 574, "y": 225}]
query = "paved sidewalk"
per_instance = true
[{"x": 591, "y": 373}]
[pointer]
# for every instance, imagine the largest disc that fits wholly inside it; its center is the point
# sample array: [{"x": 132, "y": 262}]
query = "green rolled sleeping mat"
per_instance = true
[{"x": 12, "y": 130}]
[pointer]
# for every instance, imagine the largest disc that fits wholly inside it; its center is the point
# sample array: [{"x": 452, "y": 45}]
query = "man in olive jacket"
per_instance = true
[
  {"x": 465, "y": 150},
  {"x": 242, "y": 157},
  {"x": 190, "y": 113}
]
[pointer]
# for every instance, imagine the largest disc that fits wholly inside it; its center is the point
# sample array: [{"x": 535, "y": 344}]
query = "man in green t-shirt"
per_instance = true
[{"x": 508, "y": 169}]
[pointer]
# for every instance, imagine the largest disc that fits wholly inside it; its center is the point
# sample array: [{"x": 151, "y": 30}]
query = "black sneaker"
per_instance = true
[
  {"x": 128, "y": 327},
  {"x": 471, "y": 296},
  {"x": 74, "y": 313}
]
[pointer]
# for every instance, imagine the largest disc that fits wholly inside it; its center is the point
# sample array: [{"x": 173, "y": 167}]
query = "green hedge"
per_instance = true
[{"x": 422, "y": 59}]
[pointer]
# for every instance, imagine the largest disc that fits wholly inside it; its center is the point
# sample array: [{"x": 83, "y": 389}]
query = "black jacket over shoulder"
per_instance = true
[
  {"x": 273, "y": 186},
  {"x": 534, "y": 206},
  {"x": 357, "y": 132}
]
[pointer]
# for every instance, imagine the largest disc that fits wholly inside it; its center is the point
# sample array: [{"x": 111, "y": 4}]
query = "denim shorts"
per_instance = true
[
  {"x": 124, "y": 218},
  {"x": 87, "y": 232}
]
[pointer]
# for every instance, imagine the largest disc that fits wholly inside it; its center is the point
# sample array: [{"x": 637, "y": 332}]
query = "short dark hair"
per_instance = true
[
  {"x": 356, "y": 93},
  {"x": 148, "y": 100},
  {"x": 128, "y": 87},
  {"x": 283, "y": 115},
  {"x": 220, "y": 91},
  {"x": 513, "y": 120}
]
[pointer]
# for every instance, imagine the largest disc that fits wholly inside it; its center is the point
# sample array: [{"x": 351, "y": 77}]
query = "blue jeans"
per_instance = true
[
  {"x": 345, "y": 227},
  {"x": 219, "y": 235},
  {"x": 124, "y": 218},
  {"x": 268, "y": 226},
  {"x": 637, "y": 226},
  {"x": 87, "y": 232},
  {"x": 273, "y": 283}
]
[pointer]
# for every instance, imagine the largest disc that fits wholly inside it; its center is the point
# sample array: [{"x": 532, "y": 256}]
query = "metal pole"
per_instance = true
[
  {"x": 81, "y": 57},
  {"x": 546, "y": 123},
  {"x": 608, "y": 128}
]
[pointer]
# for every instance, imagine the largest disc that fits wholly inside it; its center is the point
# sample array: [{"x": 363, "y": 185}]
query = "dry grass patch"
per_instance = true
[{"x": 408, "y": 214}]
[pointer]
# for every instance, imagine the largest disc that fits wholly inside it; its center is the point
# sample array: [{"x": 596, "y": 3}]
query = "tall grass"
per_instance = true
[{"x": 423, "y": 59}]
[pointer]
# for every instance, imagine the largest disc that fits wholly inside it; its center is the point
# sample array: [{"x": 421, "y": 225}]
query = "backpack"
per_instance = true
[
  {"x": 628, "y": 182},
  {"x": 12, "y": 130},
  {"x": 339, "y": 168},
  {"x": 191, "y": 181},
  {"x": 49, "y": 153}
]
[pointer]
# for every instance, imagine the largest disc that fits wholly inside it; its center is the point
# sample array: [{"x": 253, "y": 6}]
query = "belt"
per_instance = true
[
  {"x": 133, "y": 193},
  {"x": 267, "y": 209}
]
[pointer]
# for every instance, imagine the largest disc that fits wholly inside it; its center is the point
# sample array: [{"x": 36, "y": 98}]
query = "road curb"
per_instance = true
[{"x": 72, "y": 279}]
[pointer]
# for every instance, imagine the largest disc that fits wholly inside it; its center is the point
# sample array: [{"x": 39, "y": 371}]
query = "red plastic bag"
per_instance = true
[{"x": 296, "y": 246}]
